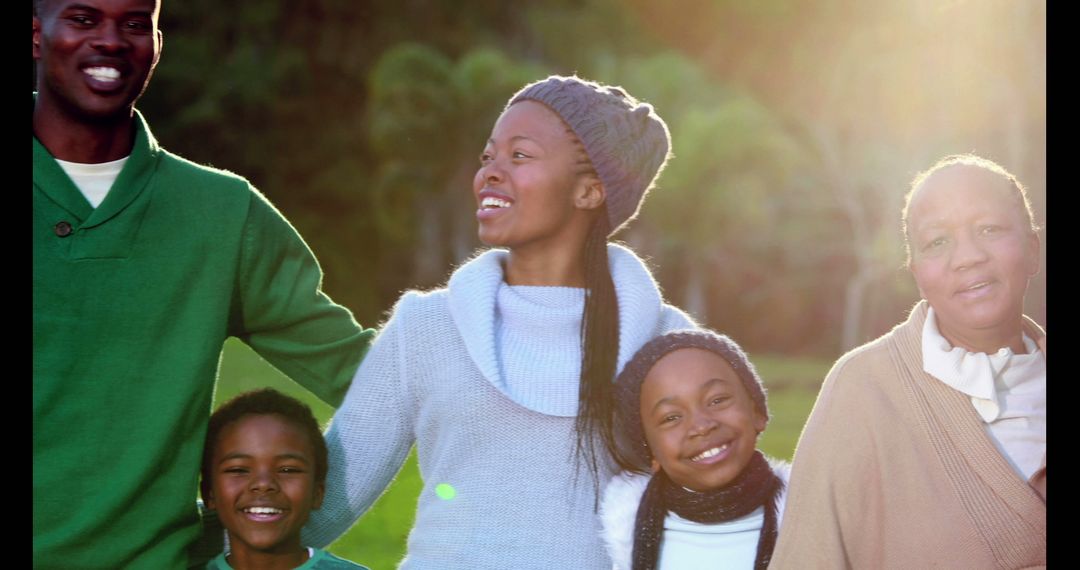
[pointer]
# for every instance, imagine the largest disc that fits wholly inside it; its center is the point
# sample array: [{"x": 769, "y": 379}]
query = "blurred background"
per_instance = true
[{"x": 796, "y": 127}]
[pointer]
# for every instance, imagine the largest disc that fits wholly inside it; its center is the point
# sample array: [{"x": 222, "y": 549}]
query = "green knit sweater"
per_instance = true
[{"x": 132, "y": 302}]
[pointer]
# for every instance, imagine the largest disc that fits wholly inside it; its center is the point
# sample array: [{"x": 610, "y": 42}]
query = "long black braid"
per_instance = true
[{"x": 599, "y": 341}]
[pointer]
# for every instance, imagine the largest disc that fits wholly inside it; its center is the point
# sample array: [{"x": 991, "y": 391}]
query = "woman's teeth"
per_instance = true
[
  {"x": 492, "y": 202},
  {"x": 710, "y": 453}
]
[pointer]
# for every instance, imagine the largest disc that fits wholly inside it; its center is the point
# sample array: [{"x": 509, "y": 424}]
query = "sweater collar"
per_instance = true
[
  {"x": 474, "y": 286},
  {"x": 957, "y": 432},
  {"x": 52, "y": 181},
  {"x": 976, "y": 374},
  {"x": 911, "y": 330}
]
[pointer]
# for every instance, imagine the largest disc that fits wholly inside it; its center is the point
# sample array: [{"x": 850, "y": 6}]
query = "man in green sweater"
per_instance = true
[{"x": 144, "y": 263}]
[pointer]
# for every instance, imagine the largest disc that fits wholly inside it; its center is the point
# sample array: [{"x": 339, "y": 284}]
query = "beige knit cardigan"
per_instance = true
[{"x": 895, "y": 469}]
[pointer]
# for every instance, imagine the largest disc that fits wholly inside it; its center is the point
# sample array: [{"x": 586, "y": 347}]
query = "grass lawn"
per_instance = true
[{"x": 378, "y": 539}]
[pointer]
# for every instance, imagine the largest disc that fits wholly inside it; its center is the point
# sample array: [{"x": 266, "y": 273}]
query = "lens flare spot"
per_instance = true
[{"x": 445, "y": 491}]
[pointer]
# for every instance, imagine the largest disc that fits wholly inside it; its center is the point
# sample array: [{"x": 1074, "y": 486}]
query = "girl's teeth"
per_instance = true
[
  {"x": 709, "y": 453},
  {"x": 491, "y": 202}
]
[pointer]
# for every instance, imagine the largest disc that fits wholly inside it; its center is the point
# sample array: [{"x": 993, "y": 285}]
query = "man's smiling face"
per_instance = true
[{"x": 95, "y": 57}]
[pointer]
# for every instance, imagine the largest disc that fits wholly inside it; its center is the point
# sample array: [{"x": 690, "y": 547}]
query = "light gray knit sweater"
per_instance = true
[{"x": 451, "y": 372}]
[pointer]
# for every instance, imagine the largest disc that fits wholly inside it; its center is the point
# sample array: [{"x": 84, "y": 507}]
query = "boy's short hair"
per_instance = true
[{"x": 262, "y": 402}]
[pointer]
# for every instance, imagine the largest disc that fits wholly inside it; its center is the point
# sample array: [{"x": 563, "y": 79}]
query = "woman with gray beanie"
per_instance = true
[{"x": 503, "y": 379}]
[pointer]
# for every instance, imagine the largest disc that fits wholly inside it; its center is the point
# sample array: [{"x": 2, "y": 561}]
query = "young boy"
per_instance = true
[
  {"x": 263, "y": 470},
  {"x": 696, "y": 491}
]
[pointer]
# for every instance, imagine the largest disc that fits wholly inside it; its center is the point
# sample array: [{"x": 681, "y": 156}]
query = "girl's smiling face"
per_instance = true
[
  {"x": 699, "y": 421},
  {"x": 532, "y": 185}
]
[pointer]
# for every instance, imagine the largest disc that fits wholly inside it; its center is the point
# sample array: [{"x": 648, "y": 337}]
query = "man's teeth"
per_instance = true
[
  {"x": 710, "y": 453},
  {"x": 263, "y": 510},
  {"x": 977, "y": 285},
  {"x": 492, "y": 202},
  {"x": 103, "y": 73}
]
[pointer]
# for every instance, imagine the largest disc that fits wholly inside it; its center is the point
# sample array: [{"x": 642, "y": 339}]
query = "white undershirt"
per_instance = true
[
  {"x": 1007, "y": 390},
  {"x": 93, "y": 180},
  {"x": 688, "y": 545}
]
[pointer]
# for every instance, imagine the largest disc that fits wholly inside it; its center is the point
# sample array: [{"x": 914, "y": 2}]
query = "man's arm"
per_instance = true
[{"x": 279, "y": 308}]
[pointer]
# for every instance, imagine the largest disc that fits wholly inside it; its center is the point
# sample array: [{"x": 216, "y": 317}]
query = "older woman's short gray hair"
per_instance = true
[{"x": 1020, "y": 195}]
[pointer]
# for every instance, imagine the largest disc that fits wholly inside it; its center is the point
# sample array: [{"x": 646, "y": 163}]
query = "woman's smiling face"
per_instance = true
[
  {"x": 972, "y": 254},
  {"x": 529, "y": 178},
  {"x": 700, "y": 423}
]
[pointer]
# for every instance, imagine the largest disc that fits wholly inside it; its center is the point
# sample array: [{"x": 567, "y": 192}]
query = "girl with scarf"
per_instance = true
[
  {"x": 696, "y": 492},
  {"x": 504, "y": 378}
]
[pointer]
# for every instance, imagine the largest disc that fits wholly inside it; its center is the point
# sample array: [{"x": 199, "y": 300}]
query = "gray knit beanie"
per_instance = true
[
  {"x": 627, "y": 142},
  {"x": 630, "y": 435}
]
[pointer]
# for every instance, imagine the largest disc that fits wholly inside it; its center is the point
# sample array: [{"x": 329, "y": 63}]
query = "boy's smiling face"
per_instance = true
[
  {"x": 263, "y": 484},
  {"x": 700, "y": 423}
]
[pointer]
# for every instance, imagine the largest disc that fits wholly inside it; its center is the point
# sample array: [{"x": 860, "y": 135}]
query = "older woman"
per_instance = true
[{"x": 927, "y": 446}]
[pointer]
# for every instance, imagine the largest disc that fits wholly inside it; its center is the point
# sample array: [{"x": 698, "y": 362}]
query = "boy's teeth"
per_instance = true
[
  {"x": 104, "y": 73},
  {"x": 709, "y": 453},
  {"x": 492, "y": 202},
  {"x": 262, "y": 510}
]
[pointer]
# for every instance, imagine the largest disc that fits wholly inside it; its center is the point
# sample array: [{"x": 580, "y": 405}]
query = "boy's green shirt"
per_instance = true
[
  {"x": 131, "y": 307},
  {"x": 320, "y": 560}
]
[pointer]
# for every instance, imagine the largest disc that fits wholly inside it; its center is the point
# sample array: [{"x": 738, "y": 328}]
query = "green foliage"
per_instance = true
[
  {"x": 734, "y": 161},
  {"x": 673, "y": 84},
  {"x": 781, "y": 371},
  {"x": 789, "y": 409},
  {"x": 410, "y": 102},
  {"x": 484, "y": 79},
  {"x": 393, "y": 200},
  {"x": 737, "y": 171}
]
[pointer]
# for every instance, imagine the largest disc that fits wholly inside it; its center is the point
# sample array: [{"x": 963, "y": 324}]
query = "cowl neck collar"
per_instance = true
[{"x": 473, "y": 289}]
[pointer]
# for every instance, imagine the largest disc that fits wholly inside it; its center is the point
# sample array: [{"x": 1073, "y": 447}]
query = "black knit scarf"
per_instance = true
[{"x": 755, "y": 486}]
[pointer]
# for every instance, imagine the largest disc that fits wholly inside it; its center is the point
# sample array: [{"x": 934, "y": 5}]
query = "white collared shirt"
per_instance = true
[
  {"x": 93, "y": 180},
  {"x": 1007, "y": 390}
]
